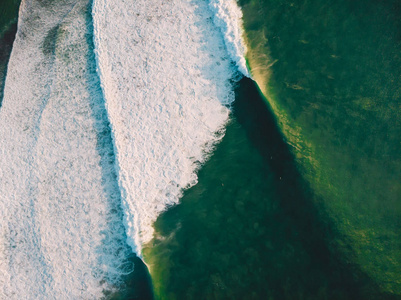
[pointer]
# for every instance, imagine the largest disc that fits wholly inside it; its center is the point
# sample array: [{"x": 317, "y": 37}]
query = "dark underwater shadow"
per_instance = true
[
  {"x": 250, "y": 228},
  {"x": 299, "y": 202}
]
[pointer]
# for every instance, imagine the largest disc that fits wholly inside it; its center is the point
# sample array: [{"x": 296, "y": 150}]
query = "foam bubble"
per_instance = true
[
  {"x": 166, "y": 76},
  {"x": 228, "y": 17},
  {"x": 61, "y": 232}
]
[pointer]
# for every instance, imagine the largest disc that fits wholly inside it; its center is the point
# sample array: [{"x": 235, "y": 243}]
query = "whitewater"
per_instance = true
[
  {"x": 61, "y": 235},
  {"x": 167, "y": 78},
  {"x": 109, "y": 110}
]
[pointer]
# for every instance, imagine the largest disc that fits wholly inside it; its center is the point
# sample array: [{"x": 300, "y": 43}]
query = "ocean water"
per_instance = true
[
  {"x": 97, "y": 136},
  {"x": 9, "y": 14},
  {"x": 61, "y": 231},
  {"x": 248, "y": 229},
  {"x": 330, "y": 71},
  {"x": 318, "y": 215},
  {"x": 8, "y": 28},
  {"x": 138, "y": 161},
  {"x": 168, "y": 82}
]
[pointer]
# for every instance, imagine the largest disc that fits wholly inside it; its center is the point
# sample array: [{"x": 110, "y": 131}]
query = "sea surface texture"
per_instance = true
[
  {"x": 61, "y": 235},
  {"x": 168, "y": 82},
  {"x": 330, "y": 71},
  {"x": 82, "y": 156},
  {"x": 200, "y": 149}
]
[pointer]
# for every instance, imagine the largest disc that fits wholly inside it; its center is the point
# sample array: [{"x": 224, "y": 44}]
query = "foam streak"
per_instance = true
[{"x": 61, "y": 235}]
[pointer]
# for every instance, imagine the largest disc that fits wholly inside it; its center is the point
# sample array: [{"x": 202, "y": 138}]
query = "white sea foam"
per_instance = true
[
  {"x": 228, "y": 17},
  {"x": 166, "y": 77},
  {"x": 61, "y": 233}
]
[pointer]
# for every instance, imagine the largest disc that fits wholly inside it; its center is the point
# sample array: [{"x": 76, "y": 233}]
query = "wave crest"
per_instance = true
[{"x": 228, "y": 17}]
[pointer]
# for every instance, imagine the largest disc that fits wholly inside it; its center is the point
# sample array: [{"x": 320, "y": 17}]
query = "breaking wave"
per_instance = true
[
  {"x": 228, "y": 17},
  {"x": 61, "y": 232},
  {"x": 167, "y": 70},
  {"x": 167, "y": 79}
]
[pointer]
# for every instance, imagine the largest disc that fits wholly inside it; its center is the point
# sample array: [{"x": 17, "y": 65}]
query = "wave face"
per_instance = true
[
  {"x": 166, "y": 77},
  {"x": 61, "y": 232},
  {"x": 228, "y": 17}
]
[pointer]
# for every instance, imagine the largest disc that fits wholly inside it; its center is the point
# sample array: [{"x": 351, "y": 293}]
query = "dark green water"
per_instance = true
[
  {"x": 8, "y": 28},
  {"x": 313, "y": 213},
  {"x": 248, "y": 229},
  {"x": 331, "y": 70},
  {"x": 8, "y": 13}
]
